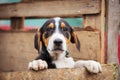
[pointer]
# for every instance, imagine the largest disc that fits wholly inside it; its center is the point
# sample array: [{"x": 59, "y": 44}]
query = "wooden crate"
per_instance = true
[{"x": 92, "y": 12}]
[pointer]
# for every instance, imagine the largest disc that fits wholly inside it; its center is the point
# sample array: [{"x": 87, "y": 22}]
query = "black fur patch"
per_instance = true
[{"x": 46, "y": 56}]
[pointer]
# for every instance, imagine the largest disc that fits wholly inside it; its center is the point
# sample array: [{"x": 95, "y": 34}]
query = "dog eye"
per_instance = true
[
  {"x": 67, "y": 35},
  {"x": 48, "y": 29},
  {"x": 64, "y": 29}
]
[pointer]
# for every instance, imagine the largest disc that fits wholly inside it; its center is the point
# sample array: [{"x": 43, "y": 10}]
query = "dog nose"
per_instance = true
[{"x": 58, "y": 42}]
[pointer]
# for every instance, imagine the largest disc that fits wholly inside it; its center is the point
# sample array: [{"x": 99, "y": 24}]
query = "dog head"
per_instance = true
[{"x": 55, "y": 34}]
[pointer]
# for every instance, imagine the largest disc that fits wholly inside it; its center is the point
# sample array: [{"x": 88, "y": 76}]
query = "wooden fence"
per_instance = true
[{"x": 92, "y": 12}]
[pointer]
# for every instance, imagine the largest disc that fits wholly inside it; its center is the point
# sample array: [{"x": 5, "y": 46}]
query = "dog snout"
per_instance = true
[{"x": 58, "y": 42}]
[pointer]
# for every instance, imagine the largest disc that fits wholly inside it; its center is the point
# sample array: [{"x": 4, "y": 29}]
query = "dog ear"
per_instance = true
[
  {"x": 37, "y": 40},
  {"x": 74, "y": 39}
]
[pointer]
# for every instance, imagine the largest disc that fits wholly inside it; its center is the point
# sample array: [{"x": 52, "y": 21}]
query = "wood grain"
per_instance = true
[
  {"x": 113, "y": 23},
  {"x": 90, "y": 46},
  {"x": 50, "y": 8},
  {"x": 60, "y": 74},
  {"x": 102, "y": 25},
  {"x": 96, "y": 21},
  {"x": 17, "y": 48},
  {"x": 92, "y": 20},
  {"x": 17, "y": 23}
]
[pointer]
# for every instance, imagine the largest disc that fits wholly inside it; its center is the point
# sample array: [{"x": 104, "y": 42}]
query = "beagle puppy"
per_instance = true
[{"x": 54, "y": 36}]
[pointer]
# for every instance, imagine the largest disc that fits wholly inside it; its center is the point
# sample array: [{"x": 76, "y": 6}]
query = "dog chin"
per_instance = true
[
  {"x": 58, "y": 51},
  {"x": 55, "y": 54}
]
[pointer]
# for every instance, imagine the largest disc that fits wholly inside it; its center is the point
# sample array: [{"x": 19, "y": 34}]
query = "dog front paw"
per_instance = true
[
  {"x": 37, "y": 65},
  {"x": 93, "y": 66}
]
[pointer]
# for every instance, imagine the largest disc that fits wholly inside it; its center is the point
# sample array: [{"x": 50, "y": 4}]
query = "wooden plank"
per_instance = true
[
  {"x": 60, "y": 74},
  {"x": 102, "y": 17},
  {"x": 17, "y": 23},
  {"x": 17, "y": 48},
  {"x": 43, "y": 0},
  {"x": 97, "y": 22},
  {"x": 90, "y": 46},
  {"x": 50, "y": 8},
  {"x": 113, "y": 24},
  {"x": 92, "y": 20}
]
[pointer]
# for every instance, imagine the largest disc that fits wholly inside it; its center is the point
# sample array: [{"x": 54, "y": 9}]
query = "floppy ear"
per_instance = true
[
  {"x": 74, "y": 39},
  {"x": 37, "y": 39}
]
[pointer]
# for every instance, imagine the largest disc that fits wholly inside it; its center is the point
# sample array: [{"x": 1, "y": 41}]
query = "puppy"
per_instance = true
[{"x": 54, "y": 37}]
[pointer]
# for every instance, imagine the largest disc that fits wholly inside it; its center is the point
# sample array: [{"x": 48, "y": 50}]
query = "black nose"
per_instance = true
[{"x": 58, "y": 42}]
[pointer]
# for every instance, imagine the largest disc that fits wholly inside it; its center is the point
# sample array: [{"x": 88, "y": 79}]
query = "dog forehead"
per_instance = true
[
  {"x": 50, "y": 21},
  {"x": 56, "y": 23},
  {"x": 60, "y": 22},
  {"x": 57, "y": 19}
]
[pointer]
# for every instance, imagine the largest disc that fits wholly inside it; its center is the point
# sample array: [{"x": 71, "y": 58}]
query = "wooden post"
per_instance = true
[
  {"x": 102, "y": 17},
  {"x": 113, "y": 22},
  {"x": 96, "y": 21},
  {"x": 112, "y": 17},
  {"x": 93, "y": 20},
  {"x": 17, "y": 23}
]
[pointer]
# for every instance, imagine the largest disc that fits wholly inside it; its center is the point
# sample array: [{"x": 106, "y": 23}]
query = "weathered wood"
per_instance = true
[
  {"x": 113, "y": 24},
  {"x": 17, "y": 23},
  {"x": 50, "y": 8},
  {"x": 17, "y": 48},
  {"x": 102, "y": 44},
  {"x": 92, "y": 20},
  {"x": 43, "y": 0},
  {"x": 60, "y": 74},
  {"x": 90, "y": 46},
  {"x": 96, "y": 21}
]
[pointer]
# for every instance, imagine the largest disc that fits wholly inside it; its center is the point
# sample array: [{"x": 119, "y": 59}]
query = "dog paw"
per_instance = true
[
  {"x": 93, "y": 66},
  {"x": 37, "y": 65}
]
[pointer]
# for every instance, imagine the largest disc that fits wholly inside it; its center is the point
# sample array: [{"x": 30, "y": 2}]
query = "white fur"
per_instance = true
[
  {"x": 64, "y": 63},
  {"x": 56, "y": 35},
  {"x": 37, "y": 65},
  {"x": 90, "y": 65},
  {"x": 50, "y": 46},
  {"x": 57, "y": 19}
]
